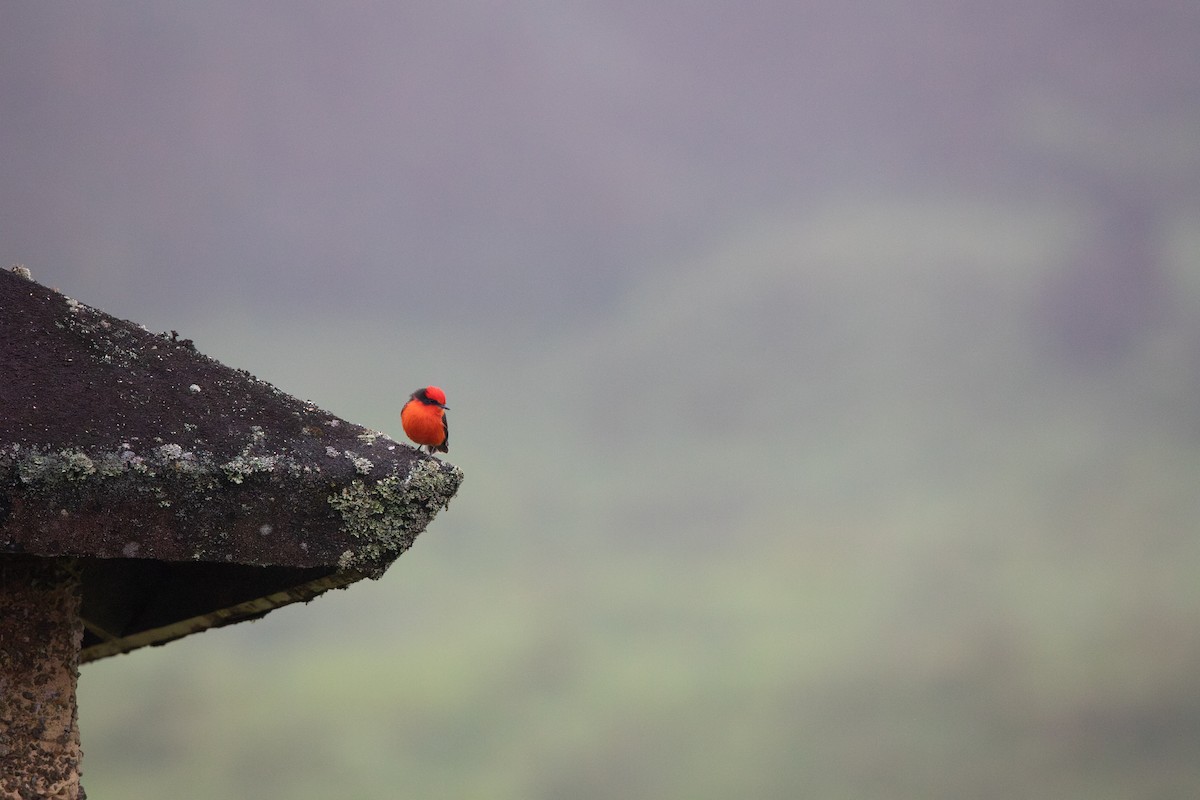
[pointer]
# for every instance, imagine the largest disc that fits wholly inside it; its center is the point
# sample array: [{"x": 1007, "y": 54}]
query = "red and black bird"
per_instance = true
[{"x": 424, "y": 419}]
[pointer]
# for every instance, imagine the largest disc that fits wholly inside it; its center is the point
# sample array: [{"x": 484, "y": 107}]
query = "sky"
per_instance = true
[{"x": 478, "y": 163}]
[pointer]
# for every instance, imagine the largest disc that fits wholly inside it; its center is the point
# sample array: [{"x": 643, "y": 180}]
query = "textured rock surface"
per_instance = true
[{"x": 40, "y": 632}]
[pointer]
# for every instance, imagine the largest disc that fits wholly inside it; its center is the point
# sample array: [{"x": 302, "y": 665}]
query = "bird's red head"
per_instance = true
[{"x": 432, "y": 395}]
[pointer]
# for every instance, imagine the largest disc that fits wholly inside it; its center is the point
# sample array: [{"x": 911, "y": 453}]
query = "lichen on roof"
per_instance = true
[{"x": 386, "y": 516}]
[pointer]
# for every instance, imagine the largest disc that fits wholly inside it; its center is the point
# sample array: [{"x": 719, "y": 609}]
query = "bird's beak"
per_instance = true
[{"x": 445, "y": 408}]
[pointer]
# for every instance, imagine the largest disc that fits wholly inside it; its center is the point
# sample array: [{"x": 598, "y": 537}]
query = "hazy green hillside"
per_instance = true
[{"x": 815, "y": 513}]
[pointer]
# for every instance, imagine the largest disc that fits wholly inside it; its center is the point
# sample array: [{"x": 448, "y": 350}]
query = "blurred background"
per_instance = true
[{"x": 824, "y": 374}]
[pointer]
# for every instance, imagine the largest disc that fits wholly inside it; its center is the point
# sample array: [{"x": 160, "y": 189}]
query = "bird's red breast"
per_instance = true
[{"x": 424, "y": 419}]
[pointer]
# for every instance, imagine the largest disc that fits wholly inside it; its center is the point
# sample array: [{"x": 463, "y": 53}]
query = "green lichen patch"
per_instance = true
[
  {"x": 252, "y": 460},
  {"x": 36, "y": 467},
  {"x": 386, "y": 516},
  {"x": 45, "y": 469},
  {"x": 242, "y": 467}
]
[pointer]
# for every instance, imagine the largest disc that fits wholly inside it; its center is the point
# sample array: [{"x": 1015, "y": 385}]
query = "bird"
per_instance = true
[{"x": 424, "y": 419}]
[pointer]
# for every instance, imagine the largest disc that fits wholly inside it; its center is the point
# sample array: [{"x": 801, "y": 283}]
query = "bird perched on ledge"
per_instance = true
[{"x": 424, "y": 419}]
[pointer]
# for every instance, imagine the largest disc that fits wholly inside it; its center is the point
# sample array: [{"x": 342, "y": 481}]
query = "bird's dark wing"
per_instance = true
[{"x": 444, "y": 447}]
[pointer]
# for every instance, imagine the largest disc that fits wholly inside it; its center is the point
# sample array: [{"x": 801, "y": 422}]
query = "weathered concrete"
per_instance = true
[{"x": 40, "y": 632}]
